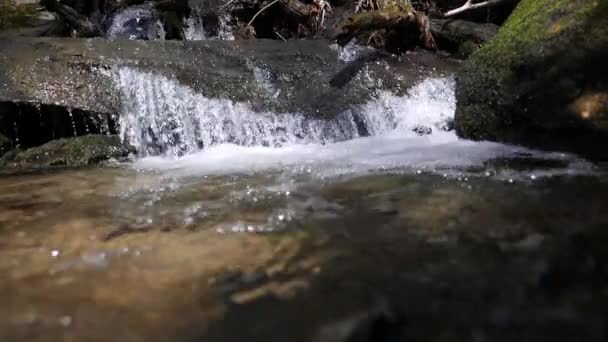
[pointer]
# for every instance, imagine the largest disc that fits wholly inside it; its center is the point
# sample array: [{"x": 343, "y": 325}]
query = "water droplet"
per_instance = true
[
  {"x": 55, "y": 253},
  {"x": 533, "y": 177},
  {"x": 65, "y": 321}
]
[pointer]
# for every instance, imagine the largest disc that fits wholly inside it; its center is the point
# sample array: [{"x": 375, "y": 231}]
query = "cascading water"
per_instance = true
[
  {"x": 164, "y": 120},
  {"x": 161, "y": 116},
  {"x": 193, "y": 25}
]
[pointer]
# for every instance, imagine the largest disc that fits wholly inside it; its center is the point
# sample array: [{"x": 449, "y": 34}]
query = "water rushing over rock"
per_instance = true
[
  {"x": 160, "y": 116},
  {"x": 193, "y": 24}
]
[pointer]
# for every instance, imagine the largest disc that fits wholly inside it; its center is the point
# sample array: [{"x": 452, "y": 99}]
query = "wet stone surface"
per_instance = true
[{"x": 274, "y": 257}]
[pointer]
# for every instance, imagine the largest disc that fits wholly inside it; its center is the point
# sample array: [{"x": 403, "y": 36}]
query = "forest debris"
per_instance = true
[
  {"x": 404, "y": 28},
  {"x": 82, "y": 26}
]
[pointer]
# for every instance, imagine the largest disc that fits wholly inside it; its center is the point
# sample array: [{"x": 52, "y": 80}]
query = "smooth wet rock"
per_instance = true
[
  {"x": 81, "y": 73},
  {"x": 461, "y": 36},
  {"x": 542, "y": 80},
  {"x": 72, "y": 152}
]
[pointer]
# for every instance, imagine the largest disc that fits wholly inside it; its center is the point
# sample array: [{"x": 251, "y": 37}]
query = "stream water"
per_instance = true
[{"x": 240, "y": 226}]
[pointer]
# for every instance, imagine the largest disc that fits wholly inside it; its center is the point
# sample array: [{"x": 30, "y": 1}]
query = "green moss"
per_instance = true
[
  {"x": 395, "y": 5},
  {"x": 536, "y": 25},
  {"x": 548, "y": 53},
  {"x": 74, "y": 152},
  {"x": 12, "y": 16}
]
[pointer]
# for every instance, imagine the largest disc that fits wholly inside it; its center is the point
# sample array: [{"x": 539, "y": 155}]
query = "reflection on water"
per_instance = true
[{"x": 158, "y": 255}]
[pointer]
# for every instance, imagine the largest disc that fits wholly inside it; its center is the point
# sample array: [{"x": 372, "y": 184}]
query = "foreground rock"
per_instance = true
[
  {"x": 542, "y": 81},
  {"x": 72, "y": 152}
]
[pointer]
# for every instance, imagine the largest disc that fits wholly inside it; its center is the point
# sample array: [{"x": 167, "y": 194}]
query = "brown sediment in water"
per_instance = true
[{"x": 431, "y": 247}]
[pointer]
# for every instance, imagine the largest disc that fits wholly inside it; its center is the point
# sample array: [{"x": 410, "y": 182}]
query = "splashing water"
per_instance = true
[
  {"x": 164, "y": 120},
  {"x": 161, "y": 116},
  {"x": 193, "y": 25}
]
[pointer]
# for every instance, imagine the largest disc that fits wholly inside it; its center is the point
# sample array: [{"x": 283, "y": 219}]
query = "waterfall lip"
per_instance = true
[{"x": 161, "y": 116}]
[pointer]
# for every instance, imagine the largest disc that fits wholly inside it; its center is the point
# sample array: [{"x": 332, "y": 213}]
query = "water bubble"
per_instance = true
[{"x": 55, "y": 253}]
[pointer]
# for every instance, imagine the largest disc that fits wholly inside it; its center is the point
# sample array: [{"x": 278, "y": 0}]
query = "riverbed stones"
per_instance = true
[{"x": 542, "y": 81}]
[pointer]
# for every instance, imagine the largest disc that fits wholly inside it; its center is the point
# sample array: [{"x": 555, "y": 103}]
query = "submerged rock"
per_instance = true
[
  {"x": 72, "y": 152},
  {"x": 542, "y": 81}
]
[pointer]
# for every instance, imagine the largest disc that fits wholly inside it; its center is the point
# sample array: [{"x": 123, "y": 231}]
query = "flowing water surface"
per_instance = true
[{"x": 240, "y": 226}]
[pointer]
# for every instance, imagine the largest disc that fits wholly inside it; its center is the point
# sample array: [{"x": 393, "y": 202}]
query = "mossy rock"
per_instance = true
[
  {"x": 74, "y": 152},
  {"x": 12, "y": 16},
  {"x": 5, "y": 144},
  {"x": 542, "y": 80}
]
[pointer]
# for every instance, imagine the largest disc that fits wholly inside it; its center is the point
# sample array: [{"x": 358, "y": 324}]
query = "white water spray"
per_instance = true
[
  {"x": 160, "y": 116},
  {"x": 164, "y": 120}
]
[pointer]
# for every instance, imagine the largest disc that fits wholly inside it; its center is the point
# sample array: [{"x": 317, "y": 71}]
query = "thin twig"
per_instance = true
[
  {"x": 278, "y": 34},
  {"x": 469, "y": 5},
  {"x": 226, "y": 4},
  {"x": 260, "y": 11}
]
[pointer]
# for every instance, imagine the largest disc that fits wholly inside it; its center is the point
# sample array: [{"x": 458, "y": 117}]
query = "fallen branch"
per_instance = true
[
  {"x": 469, "y": 5},
  {"x": 412, "y": 27}
]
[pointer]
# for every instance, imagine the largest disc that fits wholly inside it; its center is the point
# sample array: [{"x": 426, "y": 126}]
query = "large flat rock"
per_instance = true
[{"x": 288, "y": 76}]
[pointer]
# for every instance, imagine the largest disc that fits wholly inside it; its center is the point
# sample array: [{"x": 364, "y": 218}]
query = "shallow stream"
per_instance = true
[{"x": 241, "y": 226}]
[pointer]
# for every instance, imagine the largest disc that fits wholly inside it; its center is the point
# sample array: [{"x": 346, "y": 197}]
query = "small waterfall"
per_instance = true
[
  {"x": 193, "y": 25},
  {"x": 162, "y": 117}
]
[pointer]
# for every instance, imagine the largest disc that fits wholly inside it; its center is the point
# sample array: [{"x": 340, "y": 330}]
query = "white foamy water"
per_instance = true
[
  {"x": 177, "y": 129},
  {"x": 193, "y": 25}
]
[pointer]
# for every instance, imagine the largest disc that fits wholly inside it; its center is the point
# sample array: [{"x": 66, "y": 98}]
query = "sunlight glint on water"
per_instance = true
[{"x": 173, "y": 127}]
